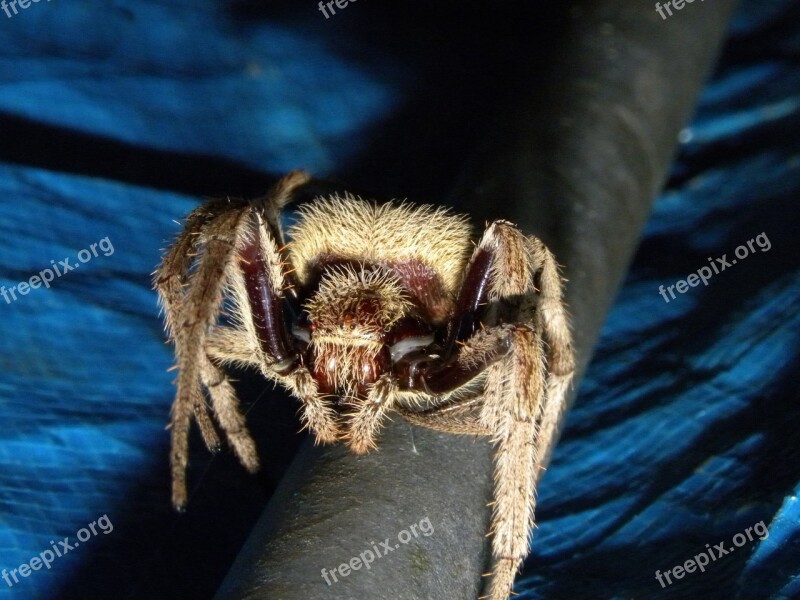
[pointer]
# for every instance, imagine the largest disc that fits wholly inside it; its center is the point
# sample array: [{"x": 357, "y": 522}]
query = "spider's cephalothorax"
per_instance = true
[{"x": 371, "y": 309}]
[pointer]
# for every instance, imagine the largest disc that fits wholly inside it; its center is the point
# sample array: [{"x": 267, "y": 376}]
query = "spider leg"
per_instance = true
[
  {"x": 269, "y": 208},
  {"x": 514, "y": 398},
  {"x": 528, "y": 366},
  {"x": 221, "y": 233},
  {"x": 262, "y": 314},
  {"x": 551, "y": 320},
  {"x": 279, "y": 196},
  {"x": 525, "y": 393},
  {"x": 190, "y": 314},
  {"x": 228, "y": 414},
  {"x": 233, "y": 346},
  {"x": 363, "y": 426},
  {"x": 458, "y": 416},
  {"x": 171, "y": 276},
  {"x": 206, "y": 426}
]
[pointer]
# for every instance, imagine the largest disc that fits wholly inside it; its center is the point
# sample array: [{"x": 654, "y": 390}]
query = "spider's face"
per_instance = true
[{"x": 350, "y": 314}]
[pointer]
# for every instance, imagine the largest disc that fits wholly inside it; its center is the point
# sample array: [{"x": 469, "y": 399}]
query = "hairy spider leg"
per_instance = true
[
  {"x": 266, "y": 281},
  {"x": 213, "y": 237},
  {"x": 264, "y": 290},
  {"x": 191, "y": 302},
  {"x": 522, "y": 401},
  {"x": 444, "y": 373}
]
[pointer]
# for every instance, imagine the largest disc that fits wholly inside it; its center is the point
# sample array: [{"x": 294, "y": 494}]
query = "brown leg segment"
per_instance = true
[
  {"x": 262, "y": 266},
  {"x": 470, "y": 297},
  {"x": 528, "y": 365}
]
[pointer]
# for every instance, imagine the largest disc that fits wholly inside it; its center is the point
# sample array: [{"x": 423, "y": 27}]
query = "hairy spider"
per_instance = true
[{"x": 371, "y": 309}]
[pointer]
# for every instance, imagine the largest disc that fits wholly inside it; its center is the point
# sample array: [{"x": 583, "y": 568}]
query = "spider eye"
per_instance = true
[{"x": 348, "y": 322}]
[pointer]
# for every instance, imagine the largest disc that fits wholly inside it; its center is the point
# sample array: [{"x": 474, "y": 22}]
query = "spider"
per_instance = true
[{"x": 371, "y": 309}]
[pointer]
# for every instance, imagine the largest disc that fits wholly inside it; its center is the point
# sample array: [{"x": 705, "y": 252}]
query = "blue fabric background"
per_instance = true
[{"x": 684, "y": 433}]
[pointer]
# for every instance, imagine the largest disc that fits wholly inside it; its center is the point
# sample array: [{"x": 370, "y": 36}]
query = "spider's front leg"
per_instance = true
[
  {"x": 219, "y": 238},
  {"x": 525, "y": 394},
  {"x": 263, "y": 284},
  {"x": 524, "y": 386}
]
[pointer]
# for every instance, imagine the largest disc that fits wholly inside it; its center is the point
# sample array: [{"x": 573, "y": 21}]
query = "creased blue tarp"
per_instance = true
[{"x": 684, "y": 434}]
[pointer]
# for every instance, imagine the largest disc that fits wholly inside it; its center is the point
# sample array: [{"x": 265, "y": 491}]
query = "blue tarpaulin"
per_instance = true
[{"x": 685, "y": 432}]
